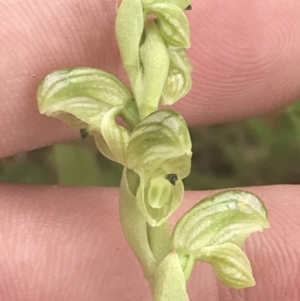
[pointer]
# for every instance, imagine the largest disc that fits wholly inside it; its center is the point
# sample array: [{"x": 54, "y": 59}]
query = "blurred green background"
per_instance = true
[{"x": 257, "y": 151}]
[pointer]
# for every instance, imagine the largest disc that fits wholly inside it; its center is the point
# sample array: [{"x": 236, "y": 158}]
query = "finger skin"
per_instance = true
[
  {"x": 65, "y": 243},
  {"x": 246, "y": 56}
]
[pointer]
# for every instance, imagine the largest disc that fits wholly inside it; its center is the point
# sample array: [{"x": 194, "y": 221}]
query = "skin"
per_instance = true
[{"x": 65, "y": 243}]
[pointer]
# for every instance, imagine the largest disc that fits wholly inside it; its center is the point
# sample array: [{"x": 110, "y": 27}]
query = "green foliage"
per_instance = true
[{"x": 229, "y": 216}]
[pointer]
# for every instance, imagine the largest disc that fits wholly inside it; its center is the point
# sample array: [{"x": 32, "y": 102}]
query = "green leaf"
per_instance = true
[
  {"x": 230, "y": 264},
  {"x": 157, "y": 199},
  {"x": 129, "y": 29},
  {"x": 153, "y": 74},
  {"x": 88, "y": 98},
  {"x": 172, "y": 23},
  {"x": 179, "y": 81},
  {"x": 169, "y": 280},
  {"x": 229, "y": 216},
  {"x": 183, "y": 4},
  {"x": 160, "y": 145}
]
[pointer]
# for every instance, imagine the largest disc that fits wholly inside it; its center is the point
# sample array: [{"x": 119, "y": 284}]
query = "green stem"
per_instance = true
[{"x": 159, "y": 240}]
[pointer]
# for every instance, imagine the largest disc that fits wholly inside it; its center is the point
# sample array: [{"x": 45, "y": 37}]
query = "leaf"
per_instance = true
[
  {"x": 157, "y": 199},
  {"x": 230, "y": 264},
  {"x": 179, "y": 81},
  {"x": 129, "y": 29},
  {"x": 172, "y": 23},
  {"x": 160, "y": 145},
  {"x": 91, "y": 99},
  {"x": 153, "y": 74},
  {"x": 169, "y": 280},
  {"x": 229, "y": 216}
]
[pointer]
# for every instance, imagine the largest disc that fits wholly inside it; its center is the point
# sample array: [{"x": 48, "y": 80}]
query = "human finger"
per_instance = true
[
  {"x": 65, "y": 243},
  {"x": 246, "y": 57}
]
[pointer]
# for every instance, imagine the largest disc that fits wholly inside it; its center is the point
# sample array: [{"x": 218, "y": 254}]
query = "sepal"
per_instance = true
[
  {"x": 172, "y": 23},
  {"x": 179, "y": 81},
  {"x": 229, "y": 216},
  {"x": 160, "y": 145},
  {"x": 214, "y": 230},
  {"x": 89, "y": 99},
  {"x": 183, "y": 4},
  {"x": 230, "y": 264}
]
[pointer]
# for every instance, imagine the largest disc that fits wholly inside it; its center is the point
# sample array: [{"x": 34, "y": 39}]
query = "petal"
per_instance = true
[
  {"x": 160, "y": 145},
  {"x": 90, "y": 99},
  {"x": 179, "y": 81},
  {"x": 173, "y": 24},
  {"x": 157, "y": 210},
  {"x": 209, "y": 222},
  {"x": 230, "y": 264}
]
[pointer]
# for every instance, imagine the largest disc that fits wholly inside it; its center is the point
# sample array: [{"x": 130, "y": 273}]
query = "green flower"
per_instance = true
[
  {"x": 159, "y": 152},
  {"x": 90, "y": 99},
  {"x": 214, "y": 231}
]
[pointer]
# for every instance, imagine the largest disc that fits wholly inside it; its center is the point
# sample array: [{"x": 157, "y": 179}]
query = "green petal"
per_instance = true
[
  {"x": 160, "y": 145},
  {"x": 158, "y": 207},
  {"x": 230, "y": 264},
  {"x": 180, "y": 57},
  {"x": 229, "y": 216},
  {"x": 179, "y": 81},
  {"x": 152, "y": 77},
  {"x": 183, "y": 4},
  {"x": 113, "y": 139},
  {"x": 158, "y": 192},
  {"x": 173, "y": 24},
  {"x": 129, "y": 29},
  {"x": 169, "y": 280},
  {"x": 90, "y": 99}
]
